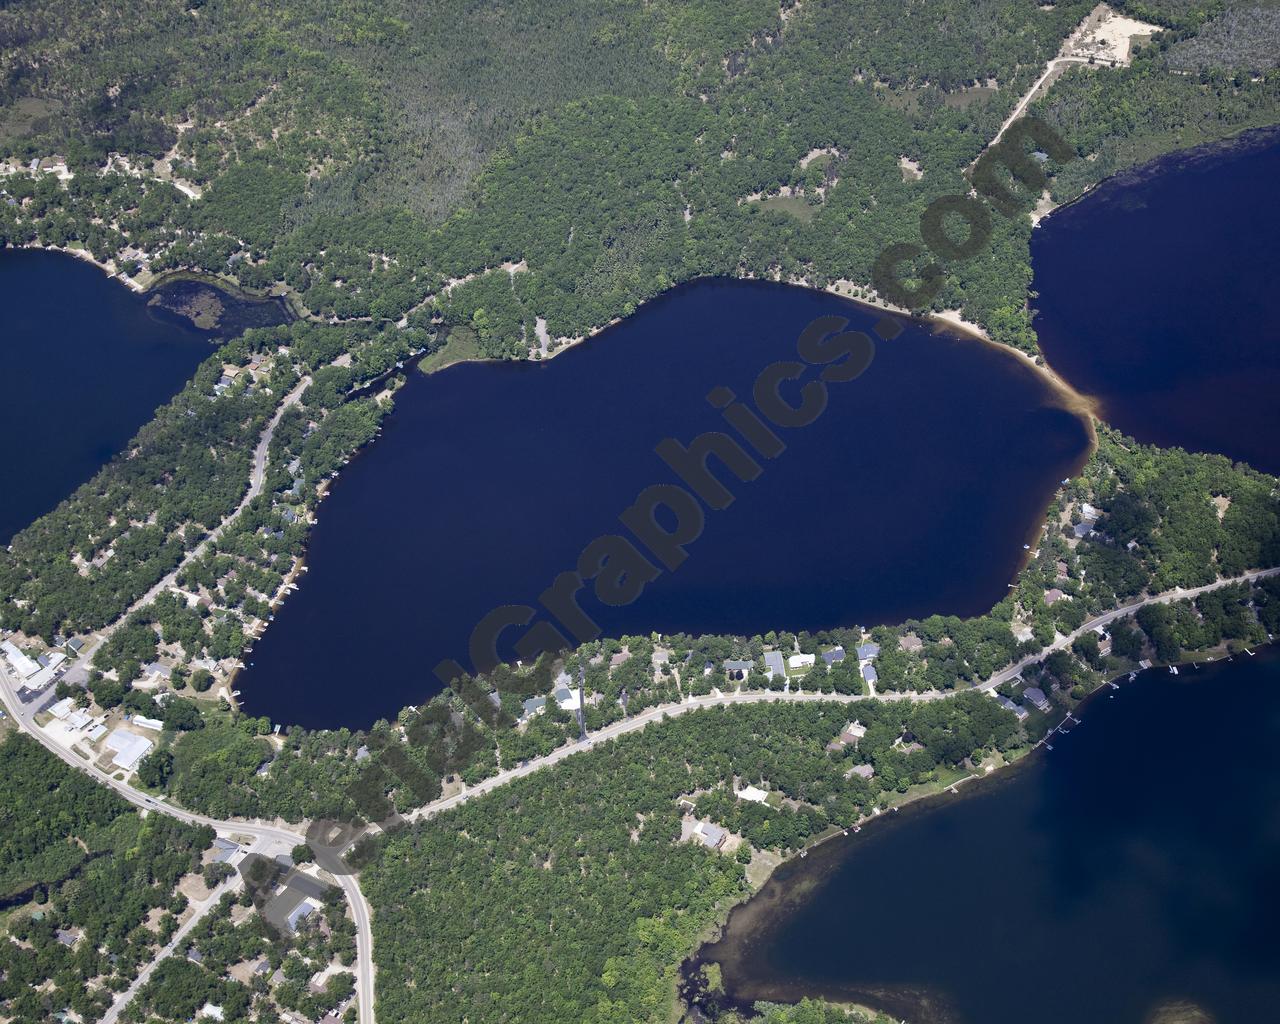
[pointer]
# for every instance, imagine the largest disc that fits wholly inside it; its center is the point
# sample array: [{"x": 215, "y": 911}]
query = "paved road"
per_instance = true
[
  {"x": 1061, "y": 642},
  {"x": 627, "y": 725},
  {"x": 257, "y": 479},
  {"x": 202, "y": 907},
  {"x": 268, "y": 833},
  {"x": 268, "y": 837}
]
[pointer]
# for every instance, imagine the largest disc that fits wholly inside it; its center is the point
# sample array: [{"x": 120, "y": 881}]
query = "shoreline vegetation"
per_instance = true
[
  {"x": 666, "y": 115},
  {"x": 921, "y": 799}
]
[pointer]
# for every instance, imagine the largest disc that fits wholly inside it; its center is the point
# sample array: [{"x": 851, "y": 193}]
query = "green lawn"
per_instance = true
[{"x": 461, "y": 347}]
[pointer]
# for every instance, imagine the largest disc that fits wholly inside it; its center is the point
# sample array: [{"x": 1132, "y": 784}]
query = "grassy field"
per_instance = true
[
  {"x": 461, "y": 347},
  {"x": 795, "y": 206}
]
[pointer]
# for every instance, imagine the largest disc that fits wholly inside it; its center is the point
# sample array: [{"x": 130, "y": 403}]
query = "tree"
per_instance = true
[{"x": 154, "y": 769}]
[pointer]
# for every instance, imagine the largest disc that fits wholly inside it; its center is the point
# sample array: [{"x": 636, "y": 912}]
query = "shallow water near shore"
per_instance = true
[
  {"x": 1157, "y": 292},
  {"x": 1130, "y": 868},
  {"x": 913, "y": 493}
]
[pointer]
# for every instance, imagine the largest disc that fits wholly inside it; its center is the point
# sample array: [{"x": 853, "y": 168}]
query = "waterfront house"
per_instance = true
[
  {"x": 1053, "y": 596},
  {"x": 1082, "y": 529},
  {"x": 1019, "y": 711},
  {"x": 711, "y": 836},
  {"x": 568, "y": 697},
  {"x": 909, "y": 642},
  {"x": 799, "y": 661},
  {"x": 773, "y": 665},
  {"x": 833, "y": 656},
  {"x": 532, "y": 706},
  {"x": 868, "y": 651},
  {"x": 1034, "y": 695},
  {"x": 737, "y": 669}
]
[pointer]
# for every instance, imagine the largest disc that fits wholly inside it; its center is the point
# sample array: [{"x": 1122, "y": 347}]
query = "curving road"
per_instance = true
[
  {"x": 257, "y": 479},
  {"x": 627, "y": 725},
  {"x": 270, "y": 835}
]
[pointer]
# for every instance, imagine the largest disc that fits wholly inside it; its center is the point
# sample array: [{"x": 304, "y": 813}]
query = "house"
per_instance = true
[
  {"x": 711, "y": 836},
  {"x": 194, "y": 955},
  {"x": 1082, "y": 529},
  {"x": 212, "y": 1012},
  {"x": 1053, "y": 596},
  {"x": 910, "y": 643},
  {"x": 868, "y": 651},
  {"x": 1063, "y": 571},
  {"x": 661, "y": 656},
  {"x": 1035, "y": 696},
  {"x": 620, "y": 658},
  {"x": 77, "y": 719},
  {"x": 223, "y": 850},
  {"x": 1104, "y": 641},
  {"x": 870, "y": 675},
  {"x": 752, "y": 794},
  {"x": 737, "y": 668},
  {"x": 299, "y": 914},
  {"x": 773, "y": 665},
  {"x": 96, "y": 733},
  {"x": 863, "y": 771},
  {"x": 798, "y": 661},
  {"x": 22, "y": 666},
  {"x": 130, "y": 748},
  {"x": 67, "y": 938},
  {"x": 1019, "y": 711},
  {"x": 533, "y": 706},
  {"x": 831, "y": 657},
  {"x": 154, "y": 724},
  {"x": 1087, "y": 511},
  {"x": 75, "y": 644},
  {"x": 853, "y": 732},
  {"x": 566, "y": 695},
  {"x": 63, "y": 708}
]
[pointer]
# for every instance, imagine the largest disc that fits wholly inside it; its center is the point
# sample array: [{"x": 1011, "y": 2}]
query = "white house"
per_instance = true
[
  {"x": 801, "y": 661},
  {"x": 753, "y": 794},
  {"x": 130, "y": 748}
]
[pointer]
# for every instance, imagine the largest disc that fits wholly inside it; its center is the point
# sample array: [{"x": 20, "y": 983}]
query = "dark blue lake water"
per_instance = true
[
  {"x": 86, "y": 362},
  {"x": 1132, "y": 868},
  {"x": 1157, "y": 294},
  {"x": 913, "y": 493}
]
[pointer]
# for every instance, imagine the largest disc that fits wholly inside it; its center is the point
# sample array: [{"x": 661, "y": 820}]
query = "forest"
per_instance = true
[
  {"x": 346, "y": 164},
  {"x": 78, "y": 862},
  {"x": 564, "y": 895}
]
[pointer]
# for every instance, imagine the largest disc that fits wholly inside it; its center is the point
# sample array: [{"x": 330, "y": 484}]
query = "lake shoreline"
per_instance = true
[{"x": 768, "y": 904}]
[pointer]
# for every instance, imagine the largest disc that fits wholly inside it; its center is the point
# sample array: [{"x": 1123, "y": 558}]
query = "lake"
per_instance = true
[
  {"x": 1157, "y": 293},
  {"x": 87, "y": 362},
  {"x": 913, "y": 493},
  {"x": 1131, "y": 868}
]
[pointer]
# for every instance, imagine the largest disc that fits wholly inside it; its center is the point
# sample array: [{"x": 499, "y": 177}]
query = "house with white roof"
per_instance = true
[{"x": 129, "y": 747}]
